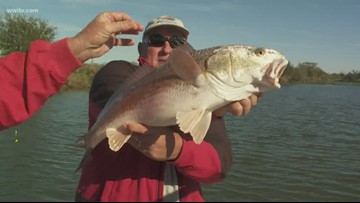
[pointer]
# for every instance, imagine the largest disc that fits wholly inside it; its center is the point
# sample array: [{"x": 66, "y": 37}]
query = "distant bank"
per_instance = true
[{"x": 306, "y": 72}]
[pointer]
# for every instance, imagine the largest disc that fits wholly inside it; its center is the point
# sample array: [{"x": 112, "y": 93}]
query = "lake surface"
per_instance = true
[{"x": 299, "y": 143}]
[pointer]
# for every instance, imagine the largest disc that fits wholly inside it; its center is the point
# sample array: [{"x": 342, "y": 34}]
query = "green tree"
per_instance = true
[
  {"x": 353, "y": 76},
  {"x": 18, "y": 31}
]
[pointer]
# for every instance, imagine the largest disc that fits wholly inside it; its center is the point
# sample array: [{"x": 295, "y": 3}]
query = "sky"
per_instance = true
[{"x": 326, "y": 32}]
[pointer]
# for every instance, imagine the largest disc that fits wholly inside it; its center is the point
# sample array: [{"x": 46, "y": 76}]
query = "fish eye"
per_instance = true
[{"x": 260, "y": 51}]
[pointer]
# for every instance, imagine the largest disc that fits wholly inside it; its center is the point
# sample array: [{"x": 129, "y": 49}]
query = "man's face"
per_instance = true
[{"x": 158, "y": 55}]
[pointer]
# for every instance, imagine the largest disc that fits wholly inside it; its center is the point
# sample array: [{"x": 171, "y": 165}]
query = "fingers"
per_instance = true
[
  {"x": 246, "y": 106},
  {"x": 125, "y": 27},
  {"x": 129, "y": 32},
  {"x": 119, "y": 16},
  {"x": 123, "y": 42},
  {"x": 258, "y": 95},
  {"x": 239, "y": 108},
  {"x": 253, "y": 99},
  {"x": 136, "y": 128},
  {"x": 222, "y": 111},
  {"x": 236, "y": 108}
]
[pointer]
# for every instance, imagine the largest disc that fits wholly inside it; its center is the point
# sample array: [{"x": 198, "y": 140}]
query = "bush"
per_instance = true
[{"x": 18, "y": 31}]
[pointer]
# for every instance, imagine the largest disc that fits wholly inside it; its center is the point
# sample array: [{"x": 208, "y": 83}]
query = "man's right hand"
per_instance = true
[
  {"x": 239, "y": 108},
  {"x": 99, "y": 36},
  {"x": 158, "y": 143}
]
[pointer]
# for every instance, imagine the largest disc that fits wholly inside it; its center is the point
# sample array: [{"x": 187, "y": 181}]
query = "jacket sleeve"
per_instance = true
[
  {"x": 28, "y": 79},
  {"x": 210, "y": 161}
]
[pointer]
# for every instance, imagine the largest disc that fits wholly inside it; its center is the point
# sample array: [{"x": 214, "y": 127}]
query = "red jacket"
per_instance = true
[
  {"x": 27, "y": 80},
  {"x": 128, "y": 175}
]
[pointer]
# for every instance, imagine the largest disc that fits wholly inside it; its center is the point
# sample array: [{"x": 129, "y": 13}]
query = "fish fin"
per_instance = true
[
  {"x": 197, "y": 122},
  {"x": 138, "y": 74},
  {"x": 185, "y": 67},
  {"x": 116, "y": 139},
  {"x": 180, "y": 43},
  {"x": 85, "y": 160},
  {"x": 127, "y": 85}
]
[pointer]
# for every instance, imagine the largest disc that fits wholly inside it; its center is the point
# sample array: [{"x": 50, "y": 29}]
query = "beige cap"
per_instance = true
[{"x": 166, "y": 21}]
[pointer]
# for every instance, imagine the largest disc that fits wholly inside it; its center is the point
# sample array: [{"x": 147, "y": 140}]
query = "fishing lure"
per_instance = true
[{"x": 16, "y": 137}]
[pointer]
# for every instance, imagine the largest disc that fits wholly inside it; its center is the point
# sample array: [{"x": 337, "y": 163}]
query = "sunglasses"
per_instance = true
[{"x": 158, "y": 40}]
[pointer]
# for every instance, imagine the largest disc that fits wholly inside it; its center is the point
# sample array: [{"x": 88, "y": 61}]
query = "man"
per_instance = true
[
  {"x": 157, "y": 163},
  {"x": 27, "y": 80}
]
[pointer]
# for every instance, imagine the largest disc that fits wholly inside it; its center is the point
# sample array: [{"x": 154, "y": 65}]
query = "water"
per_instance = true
[
  {"x": 41, "y": 166},
  {"x": 300, "y": 143}
]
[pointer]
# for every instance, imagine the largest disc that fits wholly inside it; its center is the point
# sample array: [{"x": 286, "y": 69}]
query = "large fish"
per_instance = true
[{"x": 186, "y": 90}]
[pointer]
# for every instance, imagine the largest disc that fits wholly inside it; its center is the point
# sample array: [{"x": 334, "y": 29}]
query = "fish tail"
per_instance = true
[{"x": 85, "y": 160}]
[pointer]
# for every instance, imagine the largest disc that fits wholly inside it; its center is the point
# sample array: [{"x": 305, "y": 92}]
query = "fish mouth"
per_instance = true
[{"x": 273, "y": 72}]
